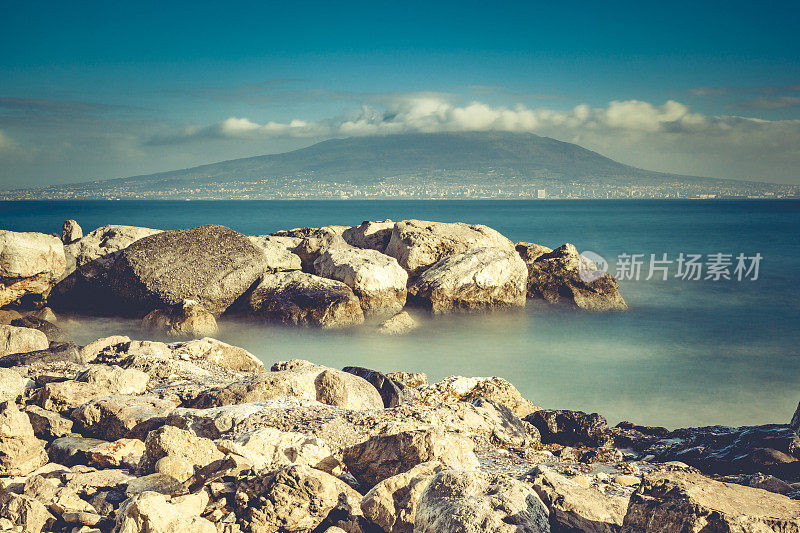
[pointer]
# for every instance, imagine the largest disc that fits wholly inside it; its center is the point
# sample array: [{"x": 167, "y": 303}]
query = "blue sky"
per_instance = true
[{"x": 96, "y": 90}]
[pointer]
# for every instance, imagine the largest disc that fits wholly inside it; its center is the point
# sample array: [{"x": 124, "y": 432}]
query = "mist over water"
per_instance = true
[{"x": 687, "y": 352}]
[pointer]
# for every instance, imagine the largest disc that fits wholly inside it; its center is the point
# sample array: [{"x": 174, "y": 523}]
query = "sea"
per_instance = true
[{"x": 688, "y": 352}]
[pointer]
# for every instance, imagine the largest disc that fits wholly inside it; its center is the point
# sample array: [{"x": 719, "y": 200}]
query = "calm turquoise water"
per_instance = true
[{"x": 687, "y": 353}]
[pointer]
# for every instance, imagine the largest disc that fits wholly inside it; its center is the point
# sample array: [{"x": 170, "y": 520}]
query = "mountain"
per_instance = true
[{"x": 423, "y": 165}]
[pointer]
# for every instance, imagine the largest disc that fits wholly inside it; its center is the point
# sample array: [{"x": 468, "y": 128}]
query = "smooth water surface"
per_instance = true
[{"x": 687, "y": 352}]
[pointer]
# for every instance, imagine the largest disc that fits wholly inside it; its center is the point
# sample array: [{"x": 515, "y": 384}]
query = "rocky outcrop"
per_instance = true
[
  {"x": 70, "y": 231},
  {"x": 212, "y": 265},
  {"x": 14, "y": 339},
  {"x": 278, "y": 252},
  {"x": 385, "y": 456},
  {"x": 564, "y": 276},
  {"x": 474, "y": 501},
  {"x": 770, "y": 448},
  {"x": 300, "y": 380},
  {"x": 464, "y": 389},
  {"x": 189, "y": 319},
  {"x": 392, "y": 503},
  {"x": 370, "y": 235},
  {"x": 30, "y": 264},
  {"x": 481, "y": 278},
  {"x": 418, "y": 244},
  {"x": 571, "y": 428},
  {"x": 20, "y": 451},
  {"x": 574, "y": 507},
  {"x": 683, "y": 501},
  {"x": 376, "y": 279},
  {"x": 302, "y": 299},
  {"x": 294, "y": 498}
]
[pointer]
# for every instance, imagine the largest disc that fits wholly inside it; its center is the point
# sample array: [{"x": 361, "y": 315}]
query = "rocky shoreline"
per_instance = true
[{"x": 136, "y": 435}]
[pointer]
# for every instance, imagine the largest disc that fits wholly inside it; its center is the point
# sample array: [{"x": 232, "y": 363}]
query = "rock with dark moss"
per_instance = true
[
  {"x": 392, "y": 392},
  {"x": 70, "y": 231},
  {"x": 212, "y": 265},
  {"x": 675, "y": 502},
  {"x": 565, "y": 276},
  {"x": 53, "y": 332},
  {"x": 571, "y": 428}
]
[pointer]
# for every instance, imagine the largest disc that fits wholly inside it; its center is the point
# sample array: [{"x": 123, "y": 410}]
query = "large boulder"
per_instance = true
[
  {"x": 20, "y": 451},
  {"x": 300, "y": 380},
  {"x": 30, "y": 264},
  {"x": 208, "y": 352},
  {"x": 384, "y": 456},
  {"x": 418, "y": 244},
  {"x": 370, "y": 235},
  {"x": 278, "y": 252},
  {"x": 15, "y": 339},
  {"x": 270, "y": 446},
  {"x": 293, "y": 498},
  {"x": 392, "y": 503},
  {"x": 565, "y": 276},
  {"x": 212, "y": 265},
  {"x": 574, "y": 507},
  {"x": 481, "y": 278},
  {"x": 169, "y": 441},
  {"x": 683, "y": 501},
  {"x": 302, "y": 299},
  {"x": 377, "y": 279},
  {"x": 120, "y": 416},
  {"x": 392, "y": 392},
  {"x": 476, "y": 501}
]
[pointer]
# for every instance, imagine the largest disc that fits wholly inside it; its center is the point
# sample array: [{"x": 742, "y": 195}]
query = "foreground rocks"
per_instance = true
[{"x": 129, "y": 435}]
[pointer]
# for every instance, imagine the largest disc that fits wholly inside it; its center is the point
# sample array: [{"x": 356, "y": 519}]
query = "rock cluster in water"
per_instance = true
[{"x": 335, "y": 276}]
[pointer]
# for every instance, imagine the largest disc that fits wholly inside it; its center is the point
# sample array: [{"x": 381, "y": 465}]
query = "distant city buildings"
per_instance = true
[{"x": 541, "y": 194}]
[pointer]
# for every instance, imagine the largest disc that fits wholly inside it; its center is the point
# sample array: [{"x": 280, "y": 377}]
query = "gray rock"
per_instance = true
[
  {"x": 530, "y": 252},
  {"x": 314, "y": 242},
  {"x": 189, "y": 319},
  {"x": 270, "y": 447},
  {"x": 210, "y": 352},
  {"x": 564, "y": 276},
  {"x": 71, "y": 450},
  {"x": 278, "y": 252},
  {"x": 571, "y": 428},
  {"x": 481, "y": 278},
  {"x": 464, "y": 389},
  {"x": 376, "y": 279},
  {"x": 20, "y": 451},
  {"x": 93, "y": 349},
  {"x": 294, "y": 498},
  {"x": 158, "y": 483},
  {"x": 298, "y": 298},
  {"x": 12, "y": 385},
  {"x": 30, "y": 264},
  {"x": 114, "y": 379},
  {"x": 152, "y": 512},
  {"x": 683, "y": 501},
  {"x": 14, "y": 340},
  {"x": 418, "y": 244},
  {"x": 55, "y": 352},
  {"x": 393, "y": 393},
  {"x": 392, "y": 503},
  {"x": 64, "y": 396},
  {"x": 371, "y": 235},
  {"x": 305, "y": 380},
  {"x": 53, "y": 332},
  {"x": 169, "y": 441},
  {"x": 29, "y": 514},
  {"x": 384, "y": 456},
  {"x": 399, "y": 324},
  {"x": 212, "y": 265},
  {"x": 577, "y": 508},
  {"x": 475, "y": 501},
  {"x": 122, "y": 416},
  {"x": 70, "y": 232},
  {"x": 47, "y": 424}
]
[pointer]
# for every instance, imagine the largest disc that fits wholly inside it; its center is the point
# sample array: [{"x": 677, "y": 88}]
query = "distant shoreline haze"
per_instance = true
[{"x": 436, "y": 166}]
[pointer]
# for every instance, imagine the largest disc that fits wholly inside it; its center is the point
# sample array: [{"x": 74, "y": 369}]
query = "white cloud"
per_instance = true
[{"x": 7, "y": 144}]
